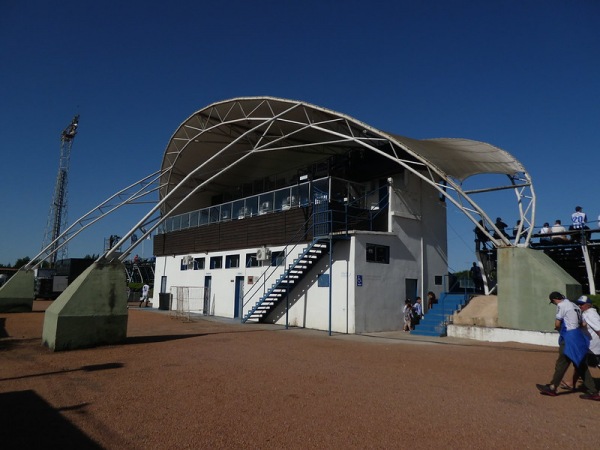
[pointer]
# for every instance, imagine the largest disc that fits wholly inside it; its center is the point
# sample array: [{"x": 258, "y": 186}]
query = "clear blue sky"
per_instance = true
[{"x": 522, "y": 75}]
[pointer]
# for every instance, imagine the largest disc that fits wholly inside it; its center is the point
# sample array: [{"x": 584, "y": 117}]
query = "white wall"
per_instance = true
[
  {"x": 222, "y": 280},
  {"x": 418, "y": 218},
  {"x": 380, "y": 299},
  {"x": 417, "y": 242},
  {"x": 310, "y": 303}
]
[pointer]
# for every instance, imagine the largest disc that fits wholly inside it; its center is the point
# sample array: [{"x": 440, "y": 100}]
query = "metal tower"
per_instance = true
[{"x": 57, "y": 218}]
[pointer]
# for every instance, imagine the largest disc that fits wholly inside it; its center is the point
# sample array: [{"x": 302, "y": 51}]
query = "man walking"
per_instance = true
[
  {"x": 145, "y": 292},
  {"x": 573, "y": 347}
]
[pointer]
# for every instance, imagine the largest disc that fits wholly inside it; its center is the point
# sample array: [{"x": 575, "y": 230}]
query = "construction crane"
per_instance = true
[{"x": 57, "y": 218}]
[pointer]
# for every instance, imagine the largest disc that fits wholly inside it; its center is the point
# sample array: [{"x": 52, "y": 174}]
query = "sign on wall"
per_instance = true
[{"x": 324, "y": 280}]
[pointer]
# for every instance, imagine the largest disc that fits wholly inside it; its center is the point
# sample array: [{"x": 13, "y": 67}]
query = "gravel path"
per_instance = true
[{"x": 210, "y": 384}]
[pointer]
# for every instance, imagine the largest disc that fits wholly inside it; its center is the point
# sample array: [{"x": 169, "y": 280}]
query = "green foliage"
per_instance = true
[
  {"x": 462, "y": 274},
  {"x": 135, "y": 287},
  {"x": 595, "y": 300},
  {"x": 21, "y": 262}
]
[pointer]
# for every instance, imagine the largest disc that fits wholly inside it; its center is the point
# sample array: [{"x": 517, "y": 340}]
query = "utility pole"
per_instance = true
[{"x": 57, "y": 218}]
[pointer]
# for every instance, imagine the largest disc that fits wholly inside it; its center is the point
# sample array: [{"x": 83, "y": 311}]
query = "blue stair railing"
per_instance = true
[{"x": 289, "y": 279}]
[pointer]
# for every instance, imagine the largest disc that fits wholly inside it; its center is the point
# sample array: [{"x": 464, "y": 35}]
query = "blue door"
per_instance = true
[
  {"x": 239, "y": 294},
  {"x": 207, "y": 283},
  {"x": 411, "y": 287}
]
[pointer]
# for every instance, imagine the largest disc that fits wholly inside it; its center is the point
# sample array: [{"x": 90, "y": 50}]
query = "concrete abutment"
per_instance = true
[
  {"x": 92, "y": 310},
  {"x": 16, "y": 295}
]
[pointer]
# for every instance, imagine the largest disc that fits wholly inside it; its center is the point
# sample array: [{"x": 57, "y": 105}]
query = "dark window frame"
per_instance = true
[
  {"x": 229, "y": 259},
  {"x": 216, "y": 262},
  {"x": 377, "y": 253}
]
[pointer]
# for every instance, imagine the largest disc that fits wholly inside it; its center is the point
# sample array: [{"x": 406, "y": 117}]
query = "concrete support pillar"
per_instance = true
[
  {"x": 16, "y": 295},
  {"x": 92, "y": 310},
  {"x": 525, "y": 278}
]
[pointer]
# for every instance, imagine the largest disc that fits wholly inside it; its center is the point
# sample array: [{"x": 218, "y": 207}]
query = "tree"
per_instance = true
[{"x": 21, "y": 262}]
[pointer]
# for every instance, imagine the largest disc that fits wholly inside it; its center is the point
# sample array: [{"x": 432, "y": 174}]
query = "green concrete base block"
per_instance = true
[
  {"x": 526, "y": 277},
  {"x": 16, "y": 295},
  {"x": 92, "y": 310}
]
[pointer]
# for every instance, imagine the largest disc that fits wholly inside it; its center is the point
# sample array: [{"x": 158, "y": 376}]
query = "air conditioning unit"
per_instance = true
[{"x": 263, "y": 254}]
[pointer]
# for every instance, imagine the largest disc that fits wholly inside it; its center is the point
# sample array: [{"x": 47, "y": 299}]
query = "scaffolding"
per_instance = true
[{"x": 57, "y": 217}]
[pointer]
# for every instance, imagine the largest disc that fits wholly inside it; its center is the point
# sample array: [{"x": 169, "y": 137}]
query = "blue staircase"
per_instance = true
[
  {"x": 289, "y": 279},
  {"x": 436, "y": 319}
]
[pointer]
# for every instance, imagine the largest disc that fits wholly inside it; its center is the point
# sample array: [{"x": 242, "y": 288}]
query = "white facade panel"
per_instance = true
[{"x": 360, "y": 293}]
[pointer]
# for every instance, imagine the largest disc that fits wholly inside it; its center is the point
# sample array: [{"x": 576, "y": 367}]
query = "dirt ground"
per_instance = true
[{"x": 212, "y": 384}]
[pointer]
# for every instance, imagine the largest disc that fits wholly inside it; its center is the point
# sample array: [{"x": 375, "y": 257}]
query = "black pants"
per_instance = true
[{"x": 563, "y": 363}]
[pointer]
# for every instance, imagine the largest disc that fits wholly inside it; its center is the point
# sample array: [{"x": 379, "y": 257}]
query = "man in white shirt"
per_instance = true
[
  {"x": 558, "y": 228},
  {"x": 591, "y": 320},
  {"x": 578, "y": 218},
  {"x": 591, "y": 328},
  {"x": 418, "y": 310},
  {"x": 572, "y": 348},
  {"x": 544, "y": 231},
  {"x": 145, "y": 292}
]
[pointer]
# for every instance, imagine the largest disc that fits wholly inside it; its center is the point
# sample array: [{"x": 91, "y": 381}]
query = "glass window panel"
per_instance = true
[
  {"x": 216, "y": 262},
  {"x": 185, "y": 221},
  {"x": 232, "y": 261},
  {"x": 214, "y": 214},
  {"x": 252, "y": 205},
  {"x": 304, "y": 194},
  {"x": 251, "y": 260},
  {"x": 194, "y": 218},
  {"x": 226, "y": 211},
  {"x": 321, "y": 190},
  {"x": 265, "y": 203},
  {"x": 176, "y": 223},
  {"x": 239, "y": 210},
  {"x": 282, "y": 198},
  {"x": 277, "y": 258},
  {"x": 204, "y": 216}
]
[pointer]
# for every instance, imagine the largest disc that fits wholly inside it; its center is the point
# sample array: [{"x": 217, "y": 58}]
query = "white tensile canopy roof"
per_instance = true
[
  {"x": 235, "y": 142},
  {"x": 240, "y": 140}
]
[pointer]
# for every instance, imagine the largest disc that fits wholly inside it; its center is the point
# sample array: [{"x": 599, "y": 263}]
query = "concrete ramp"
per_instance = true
[
  {"x": 481, "y": 311},
  {"x": 92, "y": 310},
  {"x": 525, "y": 278},
  {"x": 16, "y": 295}
]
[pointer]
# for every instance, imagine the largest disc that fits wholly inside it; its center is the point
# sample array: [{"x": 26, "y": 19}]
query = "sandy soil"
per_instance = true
[{"x": 213, "y": 384}]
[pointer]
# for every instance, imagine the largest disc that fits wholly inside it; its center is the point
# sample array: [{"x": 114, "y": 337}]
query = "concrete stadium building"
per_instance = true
[
  {"x": 285, "y": 212},
  {"x": 279, "y": 211}
]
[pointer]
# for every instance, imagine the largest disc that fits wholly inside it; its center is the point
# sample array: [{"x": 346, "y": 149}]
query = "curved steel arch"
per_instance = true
[{"x": 230, "y": 131}]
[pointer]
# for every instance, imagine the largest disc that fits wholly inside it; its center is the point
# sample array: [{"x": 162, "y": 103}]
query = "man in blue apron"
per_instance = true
[{"x": 573, "y": 346}]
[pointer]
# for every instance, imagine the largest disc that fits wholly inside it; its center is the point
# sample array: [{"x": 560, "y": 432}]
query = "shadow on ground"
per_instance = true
[
  {"x": 172, "y": 337},
  {"x": 90, "y": 368},
  {"x": 22, "y": 410}
]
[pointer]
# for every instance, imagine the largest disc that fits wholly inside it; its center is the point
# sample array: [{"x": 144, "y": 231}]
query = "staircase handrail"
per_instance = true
[
  {"x": 279, "y": 281},
  {"x": 298, "y": 238}
]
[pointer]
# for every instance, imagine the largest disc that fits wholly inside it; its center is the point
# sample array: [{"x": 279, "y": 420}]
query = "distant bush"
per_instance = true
[
  {"x": 135, "y": 287},
  {"x": 595, "y": 300}
]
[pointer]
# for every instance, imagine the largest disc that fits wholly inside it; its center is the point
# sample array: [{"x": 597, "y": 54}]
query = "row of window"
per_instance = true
[
  {"x": 231, "y": 261},
  {"x": 375, "y": 253}
]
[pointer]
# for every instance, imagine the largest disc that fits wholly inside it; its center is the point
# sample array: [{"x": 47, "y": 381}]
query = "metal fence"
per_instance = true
[{"x": 188, "y": 300}]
